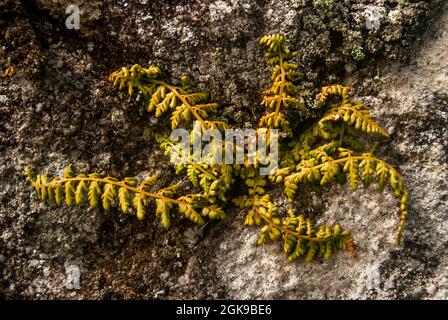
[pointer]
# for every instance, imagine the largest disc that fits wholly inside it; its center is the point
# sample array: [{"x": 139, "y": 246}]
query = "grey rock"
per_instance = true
[{"x": 400, "y": 70}]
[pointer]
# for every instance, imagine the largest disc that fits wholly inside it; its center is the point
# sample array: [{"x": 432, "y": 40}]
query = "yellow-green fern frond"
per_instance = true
[
  {"x": 284, "y": 92},
  {"x": 275, "y": 42},
  {"x": 353, "y": 114},
  {"x": 300, "y": 239},
  {"x": 327, "y": 147},
  {"x": 344, "y": 109},
  {"x": 336, "y": 90},
  {"x": 125, "y": 194},
  {"x": 136, "y": 77},
  {"x": 365, "y": 167},
  {"x": 257, "y": 203},
  {"x": 161, "y": 96}
]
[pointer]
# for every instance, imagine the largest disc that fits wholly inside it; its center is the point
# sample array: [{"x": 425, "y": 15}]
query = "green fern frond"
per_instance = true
[
  {"x": 320, "y": 151},
  {"x": 284, "y": 92},
  {"x": 139, "y": 203},
  {"x": 148, "y": 183},
  {"x": 161, "y": 96},
  {"x": 163, "y": 212},
  {"x": 353, "y": 115},
  {"x": 275, "y": 42},
  {"x": 324, "y": 169},
  {"x": 300, "y": 239},
  {"x": 344, "y": 109},
  {"x": 125, "y": 194},
  {"x": 94, "y": 194},
  {"x": 109, "y": 195},
  {"x": 136, "y": 77},
  {"x": 334, "y": 91},
  {"x": 193, "y": 175},
  {"x": 214, "y": 179},
  {"x": 298, "y": 234},
  {"x": 257, "y": 202}
]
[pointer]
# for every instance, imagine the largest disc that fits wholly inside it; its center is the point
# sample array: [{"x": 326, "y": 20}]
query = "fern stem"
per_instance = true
[
  {"x": 343, "y": 160},
  {"x": 342, "y": 135},
  {"x": 284, "y": 229},
  {"x": 208, "y": 174},
  {"x": 282, "y": 87},
  {"x": 119, "y": 184},
  {"x": 184, "y": 101}
]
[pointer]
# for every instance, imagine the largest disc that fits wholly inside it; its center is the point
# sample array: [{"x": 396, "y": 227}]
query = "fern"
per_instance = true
[
  {"x": 284, "y": 92},
  {"x": 299, "y": 237},
  {"x": 322, "y": 169},
  {"x": 214, "y": 179},
  {"x": 125, "y": 194},
  {"x": 351, "y": 113},
  {"x": 323, "y": 152},
  {"x": 160, "y": 96},
  {"x": 328, "y": 149}
]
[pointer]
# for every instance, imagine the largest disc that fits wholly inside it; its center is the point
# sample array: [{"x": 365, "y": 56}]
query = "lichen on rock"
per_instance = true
[{"x": 59, "y": 108}]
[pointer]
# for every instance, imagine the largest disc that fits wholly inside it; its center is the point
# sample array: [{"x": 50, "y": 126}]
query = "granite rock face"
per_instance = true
[{"x": 59, "y": 109}]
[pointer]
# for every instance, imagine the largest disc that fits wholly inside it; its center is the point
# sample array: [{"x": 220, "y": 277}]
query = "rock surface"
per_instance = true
[{"x": 59, "y": 109}]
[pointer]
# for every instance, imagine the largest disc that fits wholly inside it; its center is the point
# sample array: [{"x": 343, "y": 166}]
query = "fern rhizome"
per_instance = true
[{"x": 316, "y": 153}]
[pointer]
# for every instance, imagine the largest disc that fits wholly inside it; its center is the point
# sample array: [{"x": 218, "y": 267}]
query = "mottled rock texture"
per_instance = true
[{"x": 59, "y": 109}]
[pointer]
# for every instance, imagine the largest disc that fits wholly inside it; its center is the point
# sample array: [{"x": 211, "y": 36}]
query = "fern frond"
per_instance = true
[
  {"x": 94, "y": 194},
  {"x": 123, "y": 199},
  {"x": 136, "y": 77},
  {"x": 275, "y": 120},
  {"x": 163, "y": 212},
  {"x": 326, "y": 150},
  {"x": 148, "y": 183},
  {"x": 284, "y": 92},
  {"x": 220, "y": 125},
  {"x": 335, "y": 90},
  {"x": 353, "y": 115},
  {"x": 190, "y": 212},
  {"x": 213, "y": 212},
  {"x": 193, "y": 175},
  {"x": 324, "y": 169},
  {"x": 196, "y": 97},
  {"x": 298, "y": 234},
  {"x": 109, "y": 195},
  {"x": 124, "y": 193},
  {"x": 69, "y": 192},
  {"x": 274, "y": 42},
  {"x": 257, "y": 202},
  {"x": 139, "y": 203},
  {"x": 221, "y": 184},
  {"x": 300, "y": 239},
  {"x": 344, "y": 109},
  {"x": 161, "y": 96}
]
